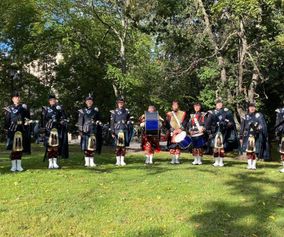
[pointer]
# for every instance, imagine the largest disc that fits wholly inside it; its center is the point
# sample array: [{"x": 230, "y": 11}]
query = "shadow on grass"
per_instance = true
[{"x": 251, "y": 217}]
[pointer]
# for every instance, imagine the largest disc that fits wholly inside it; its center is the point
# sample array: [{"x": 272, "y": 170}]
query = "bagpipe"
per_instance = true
[
  {"x": 252, "y": 133},
  {"x": 18, "y": 143},
  {"x": 219, "y": 138},
  {"x": 124, "y": 136}
]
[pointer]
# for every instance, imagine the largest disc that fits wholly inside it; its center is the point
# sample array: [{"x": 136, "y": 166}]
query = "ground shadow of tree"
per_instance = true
[{"x": 226, "y": 218}]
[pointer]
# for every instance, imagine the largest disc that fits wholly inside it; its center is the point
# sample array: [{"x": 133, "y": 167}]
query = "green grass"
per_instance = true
[{"x": 139, "y": 200}]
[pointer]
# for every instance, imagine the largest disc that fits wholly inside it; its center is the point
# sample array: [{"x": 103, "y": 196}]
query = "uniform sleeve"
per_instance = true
[
  {"x": 98, "y": 116},
  {"x": 7, "y": 119},
  {"x": 80, "y": 120},
  {"x": 263, "y": 124},
  {"x": 27, "y": 113},
  {"x": 242, "y": 129},
  {"x": 229, "y": 116},
  {"x": 208, "y": 122},
  {"x": 128, "y": 116},
  {"x": 278, "y": 121},
  {"x": 112, "y": 120},
  {"x": 63, "y": 114},
  {"x": 42, "y": 118}
]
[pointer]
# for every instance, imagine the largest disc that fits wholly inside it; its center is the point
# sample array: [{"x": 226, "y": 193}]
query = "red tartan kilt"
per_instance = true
[{"x": 150, "y": 143}]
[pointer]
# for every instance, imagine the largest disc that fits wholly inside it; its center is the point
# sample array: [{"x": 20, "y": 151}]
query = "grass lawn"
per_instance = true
[{"x": 139, "y": 200}]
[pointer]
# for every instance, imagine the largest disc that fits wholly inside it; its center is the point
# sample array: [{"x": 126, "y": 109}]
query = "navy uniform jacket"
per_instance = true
[
  {"x": 89, "y": 124},
  {"x": 222, "y": 121},
  {"x": 120, "y": 121},
  {"x": 15, "y": 118},
  {"x": 254, "y": 124},
  {"x": 55, "y": 117}
]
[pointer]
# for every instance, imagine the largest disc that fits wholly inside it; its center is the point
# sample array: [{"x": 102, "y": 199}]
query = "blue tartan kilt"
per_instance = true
[
  {"x": 198, "y": 142},
  {"x": 84, "y": 142}
]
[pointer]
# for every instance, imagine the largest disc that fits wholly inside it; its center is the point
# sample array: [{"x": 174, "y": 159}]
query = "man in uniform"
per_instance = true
[
  {"x": 120, "y": 127},
  {"x": 16, "y": 119},
  {"x": 176, "y": 123},
  {"x": 279, "y": 130},
  {"x": 54, "y": 125},
  {"x": 89, "y": 126},
  {"x": 196, "y": 127},
  {"x": 254, "y": 136},
  {"x": 150, "y": 142},
  {"x": 223, "y": 132}
]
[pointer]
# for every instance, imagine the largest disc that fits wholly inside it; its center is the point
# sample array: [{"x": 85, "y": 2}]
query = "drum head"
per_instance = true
[{"x": 180, "y": 137}]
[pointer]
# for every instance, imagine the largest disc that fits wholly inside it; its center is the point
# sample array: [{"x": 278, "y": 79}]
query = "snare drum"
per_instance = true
[{"x": 183, "y": 140}]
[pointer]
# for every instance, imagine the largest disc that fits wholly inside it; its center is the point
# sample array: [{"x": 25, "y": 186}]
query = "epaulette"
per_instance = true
[
  {"x": 209, "y": 112},
  {"x": 277, "y": 110},
  {"x": 112, "y": 111},
  {"x": 96, "y": 109},
  {"x": 226, "y": 109},
  {"x": 81, "y": 111},
  {"x": 58, "y": 107},
  {"x": 127, "y": 109},
  {"x": 44, "y": 107},
  {"x": 25, "y": 106},
  {"x": 257, "y": 115}
]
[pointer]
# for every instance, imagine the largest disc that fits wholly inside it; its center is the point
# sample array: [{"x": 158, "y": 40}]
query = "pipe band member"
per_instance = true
[
  {"x": 150, "y": 142},
  {"x": 176, "y": 123},
  {"x": 54, "y": 126},
  {"x": 279, "y": 132},
  {"x": 120, "y": 125},
  {"x": 196, "y": 128},
  {"x": 223, "y": 132},
  {"x": 16, "y": 117},
  {"x": 90, "y": 130},
  {"x": 253, "y": 136}
]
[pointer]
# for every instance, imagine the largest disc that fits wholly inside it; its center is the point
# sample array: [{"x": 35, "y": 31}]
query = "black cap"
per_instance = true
[
  {"x": 251, "y": 104},
  {"x": 51, "y": 96},
  {"x": 89, "y": 97},
  {"x": 219, "y": 100},
  {"x": 197, "y": 103},
  {"x": 120, "y": 99},
  {"x": 15, "y": 94}
]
